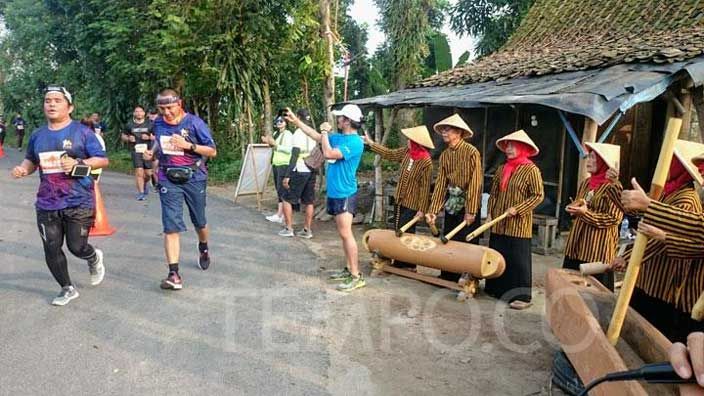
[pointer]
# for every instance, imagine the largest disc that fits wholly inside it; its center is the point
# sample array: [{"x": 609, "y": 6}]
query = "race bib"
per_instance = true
[
  {"x": 168, "y": 148},
  {"x": 140, "y": 148},
  {"x": 50, "y": 162},
  {"x": 20, "y": 127}
]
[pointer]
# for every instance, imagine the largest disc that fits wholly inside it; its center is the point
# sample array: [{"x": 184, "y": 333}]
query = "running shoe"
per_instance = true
[
  {"x": 67, "y": 294},
  {"x": 172, "y": 282},
  {"x": 97, "y": 269},
  {"x": 275, "y": 218},
  {"x": 141, "y": 197},
  {"x": 305, "y": 233},
  {"x": 204, "y": 260},
  {"x": 286, "y": 232},
  {"x": 340, "y": 274},
  {"x": 351, "y": 283}
]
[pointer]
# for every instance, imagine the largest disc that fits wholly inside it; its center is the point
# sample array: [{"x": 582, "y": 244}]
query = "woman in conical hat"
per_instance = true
[
  {"x": 516, "y": 189},
  {"x": 596, "y": 213},
  {"x": 412, "y": 195},
  {"x": 458, "y": 186},
  {"x": 670, "y": 282}
]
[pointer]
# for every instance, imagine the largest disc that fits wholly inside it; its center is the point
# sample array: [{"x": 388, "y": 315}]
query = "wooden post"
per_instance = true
[
  {"x": 329, "y": 76},
  {"x": 686, "y": 98},
  {"x": 674, "y": 124},
  {"x": 588, "y": 136},
  {"x": 378, "y": 177}
]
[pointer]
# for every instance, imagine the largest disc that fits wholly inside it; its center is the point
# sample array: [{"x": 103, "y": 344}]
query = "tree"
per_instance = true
[{"x": 491, "y": 21}]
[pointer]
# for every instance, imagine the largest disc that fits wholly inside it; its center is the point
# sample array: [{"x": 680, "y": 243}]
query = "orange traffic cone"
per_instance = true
[{"x": 102, "y": 226}]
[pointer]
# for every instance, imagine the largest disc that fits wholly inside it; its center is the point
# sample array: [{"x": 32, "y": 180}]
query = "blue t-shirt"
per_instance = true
[
  {"x": 56, "y": 189},
  {"x": 195, "y": 131},
  {"x": 342, "y": 173}
]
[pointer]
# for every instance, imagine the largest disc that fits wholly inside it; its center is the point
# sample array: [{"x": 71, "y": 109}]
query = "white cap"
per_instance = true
[{"x": 353, "y": 112}]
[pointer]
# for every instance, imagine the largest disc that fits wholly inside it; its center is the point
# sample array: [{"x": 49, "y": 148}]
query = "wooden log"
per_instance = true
[
  {"x": 480, "y": 230},
  {"x": 478, "y": 261},
  {"x": 629, "y": 282},
  {"x": 578, "y": 309}
]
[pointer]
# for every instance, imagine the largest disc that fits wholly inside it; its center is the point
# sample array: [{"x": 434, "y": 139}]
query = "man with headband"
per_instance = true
[
  {"x": 64, "y": 151},
  {"x": 183, "y": 143}
]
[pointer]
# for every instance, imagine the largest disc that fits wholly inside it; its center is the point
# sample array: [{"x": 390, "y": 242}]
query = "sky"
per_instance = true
[{"x": 365, "y": 11}]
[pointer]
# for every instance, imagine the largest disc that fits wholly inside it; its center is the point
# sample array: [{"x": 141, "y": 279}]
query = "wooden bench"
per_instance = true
[{"x": 547, "y": 228}]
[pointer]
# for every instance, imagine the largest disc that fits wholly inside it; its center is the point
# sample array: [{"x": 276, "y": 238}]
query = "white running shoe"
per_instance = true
[
  {"x": 97, "y": 270},
  {"x": 275, "y": 218}
]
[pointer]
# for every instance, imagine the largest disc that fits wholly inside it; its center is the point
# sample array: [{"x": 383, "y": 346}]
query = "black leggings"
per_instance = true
[
  {"x": 20, "y": 138},
  {"x": 74, "y": 224}
]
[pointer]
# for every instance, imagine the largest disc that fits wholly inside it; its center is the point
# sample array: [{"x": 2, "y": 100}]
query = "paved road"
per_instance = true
[{"x": 230, "y": 331}]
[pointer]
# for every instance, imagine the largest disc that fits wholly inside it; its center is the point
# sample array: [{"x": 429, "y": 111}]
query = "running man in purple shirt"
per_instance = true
[
  {"x": 65, "y": 202},
  {"x": 182, "y": 144}
]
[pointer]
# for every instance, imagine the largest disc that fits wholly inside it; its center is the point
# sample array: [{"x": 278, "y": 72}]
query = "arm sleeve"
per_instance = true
[
  {"x": 93, "y": 146},
  {"x": 203, "y": 135},
  {"x": 611, "y": 216},
  {"x": 424, "y": 186},
  {"x": 31, "y": 154},
  {"x": 438, "y": 196},
  {"x": 292, "y": 162},
  {"x": 534, "y": 193},
  {"x": 474, "y": 189},
  {"x": 395, "y": 155},
  {"x": 493, "y": 190},
  {"x": 675, "y": 221}
]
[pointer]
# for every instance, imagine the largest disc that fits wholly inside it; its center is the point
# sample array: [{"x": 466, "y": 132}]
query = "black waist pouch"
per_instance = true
[{"x": 179, "y": 175}]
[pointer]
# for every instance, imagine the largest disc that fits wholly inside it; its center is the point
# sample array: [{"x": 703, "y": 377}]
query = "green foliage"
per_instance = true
[
  {"x": 491, "y": 21},
  {"x": 463, "y": 58},
  {"x": 440, "y": 56}
]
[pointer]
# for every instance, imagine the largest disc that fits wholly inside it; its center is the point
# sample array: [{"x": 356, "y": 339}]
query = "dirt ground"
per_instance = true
[{"x": 400, "y": 336}]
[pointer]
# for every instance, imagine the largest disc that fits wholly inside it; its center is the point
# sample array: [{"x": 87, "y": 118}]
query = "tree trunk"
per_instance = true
[
  {"x": 389, "y": 125},
  {"x": 329, "y": 82},
  {"x": 268, "y": 116}
]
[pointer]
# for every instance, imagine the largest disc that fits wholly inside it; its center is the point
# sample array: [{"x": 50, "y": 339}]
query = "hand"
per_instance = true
[
  {"x": 576, "y": 210},
  {"x": 145, "y": 136},
  {"x": 285, "y": 182},
  {"x": 636, "y": 199},
  {"x": 366, "y": 139},
  {"x": 19, "y": 172},
  {"x": 148, "y": 155},
  {"x": 180, "y": 142},
  {"x": 612, "y": 175},
  {"x": 430, "y": 218},
  {"x": 689, "y": 360},
  {"x": 469, "y": 218},
  {"x": 652, "y": 232},
  {"x": 290, "y": 117},
  {"x": 512, "y": 212},
  {"x": 131, "y": 139},
  {"x": 269, "y": 140},
  {"x": 67, "y": 163},
  {"x": 325, "y": 127},
  {"x": 619, "y": 264},
  {"x": 420, "y": 214}
]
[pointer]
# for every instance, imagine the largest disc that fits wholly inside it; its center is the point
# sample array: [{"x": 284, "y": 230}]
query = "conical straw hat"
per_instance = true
[
  {"x": 518, "y": 136},
  {"x": 687, "y": 153},
  {"x": 420, "y": 135},
  {"x": 455, "y": 121},
  {"x": 609, "y": 153}
]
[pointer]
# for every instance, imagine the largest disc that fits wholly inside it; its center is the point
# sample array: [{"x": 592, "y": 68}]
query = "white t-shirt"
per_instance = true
[{"x": 306, "y": 144}]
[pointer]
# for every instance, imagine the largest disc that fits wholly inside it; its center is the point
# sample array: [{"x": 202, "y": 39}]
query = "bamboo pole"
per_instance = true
[
  {"x": 480, "y": 230},
  {"x": 674, "y": 124},
  {"x": 407, "y": 226},
  {"x": 378, "y": 176},
  {"x": 588, "y": 136}
]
